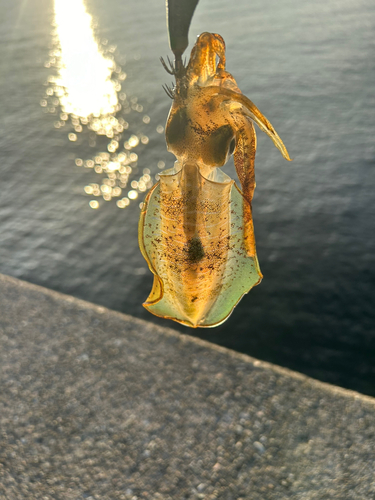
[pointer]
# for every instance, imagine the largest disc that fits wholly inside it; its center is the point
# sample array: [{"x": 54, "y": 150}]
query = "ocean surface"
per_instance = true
[{"x": 70, "y": 186}]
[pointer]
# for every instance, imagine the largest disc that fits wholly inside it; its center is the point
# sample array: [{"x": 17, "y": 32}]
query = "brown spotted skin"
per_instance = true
[{"x": 196, "y": 228}]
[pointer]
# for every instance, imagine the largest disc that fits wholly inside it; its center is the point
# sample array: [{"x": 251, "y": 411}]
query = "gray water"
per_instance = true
[{"x": 310, "y": 68}]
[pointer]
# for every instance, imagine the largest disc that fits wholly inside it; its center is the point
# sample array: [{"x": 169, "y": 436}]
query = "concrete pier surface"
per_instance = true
[{"x": 95, "y": 404}]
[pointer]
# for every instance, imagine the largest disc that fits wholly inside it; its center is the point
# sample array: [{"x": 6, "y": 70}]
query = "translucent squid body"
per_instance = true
[{"x": 196, "y": 228}]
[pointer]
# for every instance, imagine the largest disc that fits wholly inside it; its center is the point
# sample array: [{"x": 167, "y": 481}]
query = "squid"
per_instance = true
[{"x": 196, "y": 227}]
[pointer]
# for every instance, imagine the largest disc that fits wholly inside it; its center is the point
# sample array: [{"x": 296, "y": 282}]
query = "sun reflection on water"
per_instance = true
[
  {"x": 85, "y": 74},
  {"x": 85, "y": 93}
]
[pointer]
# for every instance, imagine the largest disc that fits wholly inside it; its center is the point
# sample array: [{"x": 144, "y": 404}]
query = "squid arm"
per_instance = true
[
  {"x": 237, "y": 103},
  {"x": 244, "y": 158}
]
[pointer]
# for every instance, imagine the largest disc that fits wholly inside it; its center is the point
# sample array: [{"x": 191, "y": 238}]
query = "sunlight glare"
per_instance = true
[{"x": 85, "y": 74}]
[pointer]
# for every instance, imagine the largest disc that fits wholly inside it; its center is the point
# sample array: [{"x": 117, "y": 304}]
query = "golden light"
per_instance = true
[
  {"x": 85, "y": 93},
  {"x": 84, "y": 73},
  {"x": 132, "y": 195}
]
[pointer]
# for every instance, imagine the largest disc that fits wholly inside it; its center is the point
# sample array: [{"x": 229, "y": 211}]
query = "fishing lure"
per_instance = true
[{"x": 196, "y": 228}]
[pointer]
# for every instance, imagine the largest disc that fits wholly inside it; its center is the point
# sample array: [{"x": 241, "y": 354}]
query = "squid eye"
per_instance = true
[
  {"x": 217, "y": 145},
  {"x": 232, "y": 146}
]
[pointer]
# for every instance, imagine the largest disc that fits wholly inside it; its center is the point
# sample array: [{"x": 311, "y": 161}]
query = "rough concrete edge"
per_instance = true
[{"x": 204, "y": 343}]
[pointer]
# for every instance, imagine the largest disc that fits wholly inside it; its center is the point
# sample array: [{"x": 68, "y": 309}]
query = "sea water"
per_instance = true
[{"x": 70, "y": 188}]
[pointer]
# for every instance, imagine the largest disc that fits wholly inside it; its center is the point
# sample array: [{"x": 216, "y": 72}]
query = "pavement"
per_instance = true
[{"x": 95, "y": 404}]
